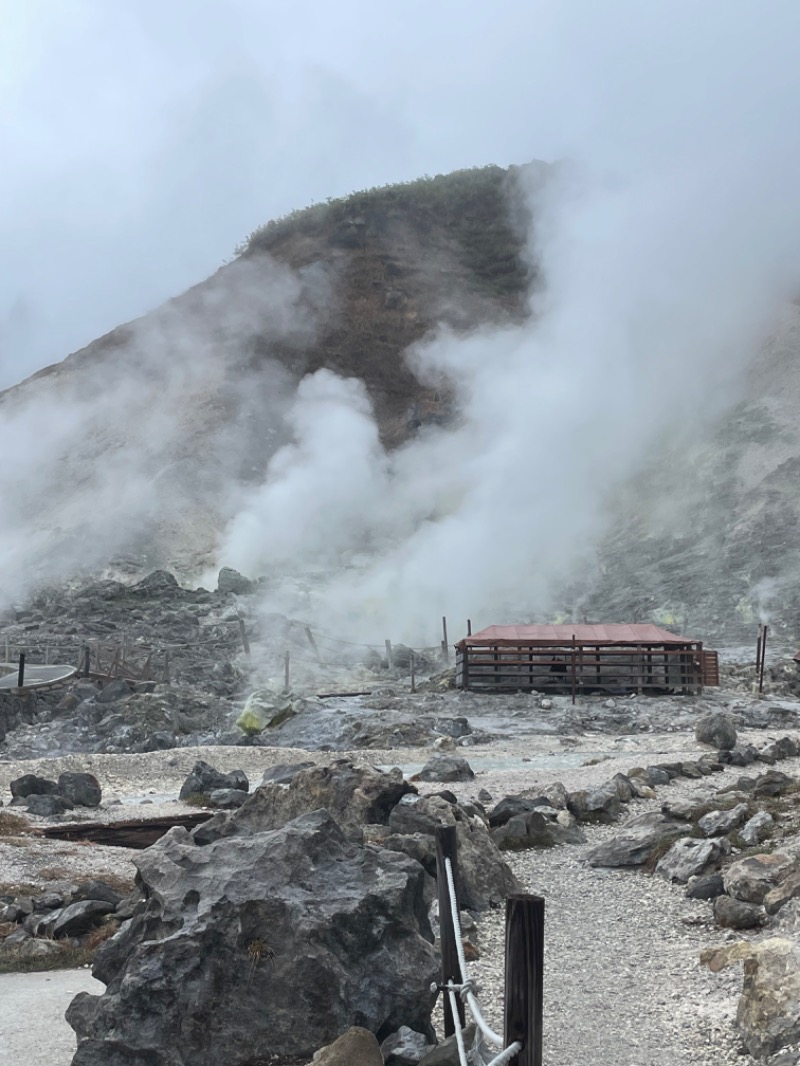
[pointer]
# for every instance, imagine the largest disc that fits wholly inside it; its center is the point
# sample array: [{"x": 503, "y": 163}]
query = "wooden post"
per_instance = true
[
  {"x": 445, "y": 646},
  {"x": 312, "y": 642},
  {"x": 446, "y": 848},
  {"x": 389, "y": 654},
  {"x": 21, "y": 671},
  {"x": 286, "y": 672},
  {"x": 413, "y": 672},
  {"x": 524, "y": 984},
  {"x": 763, "y": 659},
  {"x": 243, "y": 635}
]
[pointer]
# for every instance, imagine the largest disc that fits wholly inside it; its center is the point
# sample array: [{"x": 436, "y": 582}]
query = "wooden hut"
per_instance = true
[{"x": 584, "y": 658}]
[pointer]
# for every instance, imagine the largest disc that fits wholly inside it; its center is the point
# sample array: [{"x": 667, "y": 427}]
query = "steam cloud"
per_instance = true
[{"x": 667, "y": 246}]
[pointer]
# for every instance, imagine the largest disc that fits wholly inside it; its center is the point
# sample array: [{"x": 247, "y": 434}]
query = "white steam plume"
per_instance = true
[{"x": 667, "y": 246}]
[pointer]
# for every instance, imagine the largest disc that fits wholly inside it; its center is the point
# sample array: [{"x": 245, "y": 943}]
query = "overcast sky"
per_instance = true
[{"x": 141, "y": 140}]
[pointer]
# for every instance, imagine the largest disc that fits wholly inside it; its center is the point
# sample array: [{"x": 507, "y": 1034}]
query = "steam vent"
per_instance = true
[{"x": 584, "y": 658}]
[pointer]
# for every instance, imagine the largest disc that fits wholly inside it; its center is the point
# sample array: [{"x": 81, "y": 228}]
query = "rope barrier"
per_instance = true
[{"x": 467, "y": 989}]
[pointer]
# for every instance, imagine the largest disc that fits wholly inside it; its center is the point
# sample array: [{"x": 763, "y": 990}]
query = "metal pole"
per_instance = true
[
  {"x": 524, "y": 977},
  {"x": 445, "y": 646},
  {"x": 763, "y": 659},
  {"x": 758, "y": 650},
  {"x": 243, "y": 635},
  {"x": 469, "y": 627},
  {"x": 446, "y": 848},
  {"x": 21, "y": 672}
]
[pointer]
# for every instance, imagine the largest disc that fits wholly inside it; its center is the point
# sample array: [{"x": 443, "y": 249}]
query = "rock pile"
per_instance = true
[
  {"x": 46, "y": 798},
  {"x": 45, "y": 923}
]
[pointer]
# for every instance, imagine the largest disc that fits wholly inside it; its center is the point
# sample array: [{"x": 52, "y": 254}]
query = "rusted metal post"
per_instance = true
[
  {"x": 445, "y": 647},
  {"x": 21, "y": 671},
  {"x": 446, "y": 848},
  {"x": 763, "y": 659},
  {"x": 413, "y": 672},
  {"x": 243, "y": 635},
  {"x": 524, "y": 985},
  {"x": 286, "y": 672}
]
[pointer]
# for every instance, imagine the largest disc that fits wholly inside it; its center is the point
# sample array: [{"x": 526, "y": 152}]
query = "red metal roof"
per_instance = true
[{"x": 613, "y": 633}]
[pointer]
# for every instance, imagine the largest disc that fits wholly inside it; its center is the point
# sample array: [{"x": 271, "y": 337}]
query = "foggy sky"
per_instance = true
[{"x": 142, "y": 140}]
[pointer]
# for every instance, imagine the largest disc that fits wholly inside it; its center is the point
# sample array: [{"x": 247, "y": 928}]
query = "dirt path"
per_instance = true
[{"x": 33, "y": 1030}]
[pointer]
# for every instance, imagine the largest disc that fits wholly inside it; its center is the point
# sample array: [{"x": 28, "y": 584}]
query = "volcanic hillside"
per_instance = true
[{"x": 136, "y": 450}]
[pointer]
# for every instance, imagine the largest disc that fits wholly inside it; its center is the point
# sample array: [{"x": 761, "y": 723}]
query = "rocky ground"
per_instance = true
[{"x": 624, "y": 979}]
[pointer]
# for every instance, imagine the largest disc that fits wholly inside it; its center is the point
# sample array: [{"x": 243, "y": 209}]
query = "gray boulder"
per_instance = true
[
  {"x": 405, "y": 1047},
  {"x": 757, "y": 828},
  {"x": 230, "y": 581},
  {"x": 533, "y": 829},
  {"x": 445, "y": 768},
  {"x": 78, "y": 918},
  {"x": 356, "y": 1047},
  {"x": 32, "y": 785},
  {"x": 718, "y": 823},
  {"x": 353, "y": 796},
  {"x": 716, "y": 729},
  {"x": 788, "y": 889},
  {"x": 47, "y": 806},
  {"x": 485, "y": 879},
  {"x": 688, "y": 857},
  {"x": 733, "y": 914},
  {"x": 283, "y": 773},
  {"x": 751, "y": 878},
  {"x": 599, "y": 804},
  {"x": 227, "y": 799},
  {"x": 636, "y": 841},
  {"x": 257, "y": 931},
  {"x": 80, "y": 789},
  {"x": 204, "y": 779},
  {"x": 705, "y": 886}
]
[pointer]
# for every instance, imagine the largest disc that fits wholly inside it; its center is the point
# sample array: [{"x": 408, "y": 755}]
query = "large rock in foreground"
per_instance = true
[{"x": 260, "y": 947}]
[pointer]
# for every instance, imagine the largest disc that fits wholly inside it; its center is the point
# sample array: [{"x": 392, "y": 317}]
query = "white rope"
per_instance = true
[
  {"x": 462, "y": 1055},
  {"x": 467, "y": 985},
  {"x": 507, "y": 1055}
]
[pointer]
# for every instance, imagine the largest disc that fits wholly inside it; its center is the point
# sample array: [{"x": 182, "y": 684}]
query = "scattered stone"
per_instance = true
[
  {"x": 751, "y": 878},
  {"x": 227, "y": 798},
  {"x": 79, "y": 917},
  {"x": 355, "y": 1047},
  {"x": 80, "y": 789},
  {"x": 204, "y": 779},
  {"x": 47, "y": 806},
  {"x": 758, "y": 828},
  {"x": 716, "y": 729},
  {"x": 405, "y": 1047},
  {"x": 789, "y": 888},
  {"x": 733, "y": 914},
  {"x": 637, "y": 840},
  {"x": 445, "y": 768},
  {"x": 534, "y": 830},
  {"x": 718, "y": 823},
  {"x": 97, "y": 890},
  {"x": 511, "y": 806},
  {"x": 231, "y": 582},
  {"x": 686, "y": 858},
  {"x": 32, "y": 785},
  {"x": 705, "y": 886},
  {"x": 600, "y": 804}
]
